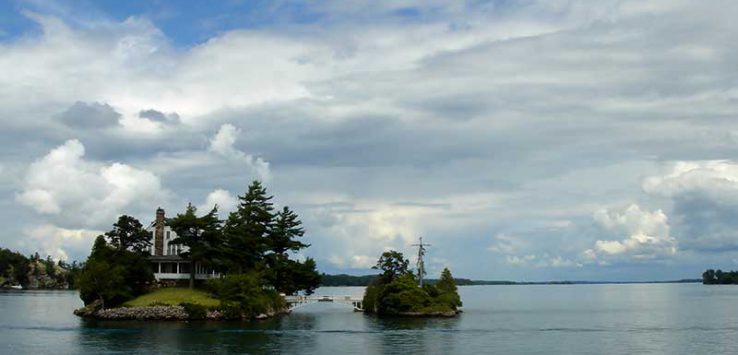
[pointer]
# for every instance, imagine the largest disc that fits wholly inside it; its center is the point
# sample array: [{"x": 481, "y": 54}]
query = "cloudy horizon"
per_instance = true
[{"x": 525, "y": 140}]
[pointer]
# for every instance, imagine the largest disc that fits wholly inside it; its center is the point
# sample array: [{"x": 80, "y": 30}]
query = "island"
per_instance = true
[
  {"x": 198, "y": 266},
  {"x": 399, "y": 292},
  {"x": 720, "y": 277}
]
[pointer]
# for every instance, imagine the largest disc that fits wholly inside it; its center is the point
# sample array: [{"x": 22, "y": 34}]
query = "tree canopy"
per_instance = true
[
  {"x": 202, "y": 236},
  {"x": 393, "y": 264},
  {"x": 129, "y": 234},
  {"x": 719, "y": 277}
]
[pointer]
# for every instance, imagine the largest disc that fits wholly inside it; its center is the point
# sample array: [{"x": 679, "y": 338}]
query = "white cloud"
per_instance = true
[
  {"x": 520, "y": 260},
  {"x": 363, "y": 261},
  {"x": 87, "y": 193},
  {"x": 223, "y": 144},
  {"x": 223, "y": 199},
  {"x": 507, "y": 244},
  {"x": 716, "y": 180},
  {"x": 59, "y": 242},
  {"x": 646, "y": 235},
  {"x": 385, "y": 110},
  {"x": 544, "y": 261}
]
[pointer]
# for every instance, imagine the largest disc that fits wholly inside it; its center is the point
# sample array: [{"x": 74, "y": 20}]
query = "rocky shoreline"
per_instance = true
[
  {"x": 163, "y": 313},
  {"x": 448, "y": 314}
]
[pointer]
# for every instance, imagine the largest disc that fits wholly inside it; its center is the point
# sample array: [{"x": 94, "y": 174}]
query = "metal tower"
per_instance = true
[{"x": 420, "y": 263}]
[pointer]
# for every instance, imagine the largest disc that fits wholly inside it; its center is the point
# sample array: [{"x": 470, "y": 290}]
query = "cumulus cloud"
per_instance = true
[
  {"x": 704, "y": 195},
  {"x": 378, "y": 110},
  {"x": 223, "y": 144},
  {"x": 63, "y": 183},
  {"x": 646, "y": 235},
  {"x": 716, "y": 180},
  {"x": 542, "y": 261},
  {"x": 58, "y": 242},
  {"x": 507, "y": 244},
  {"x": 225, "y": 201}
]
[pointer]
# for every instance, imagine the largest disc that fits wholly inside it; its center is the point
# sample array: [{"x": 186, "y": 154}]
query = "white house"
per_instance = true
[{"x": 165, "y": 259}]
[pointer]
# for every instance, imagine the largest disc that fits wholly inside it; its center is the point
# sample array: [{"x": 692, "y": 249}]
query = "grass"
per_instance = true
[{"x": 174, "y": 296}]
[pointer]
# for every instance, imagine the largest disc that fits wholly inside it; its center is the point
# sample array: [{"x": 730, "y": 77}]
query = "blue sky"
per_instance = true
[{"x": 525, "y": 140}]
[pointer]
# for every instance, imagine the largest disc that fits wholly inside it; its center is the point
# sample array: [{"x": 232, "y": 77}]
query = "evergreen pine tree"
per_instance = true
[
  {"x": 128, "y": 234},
  {"x": 246, "y": 230},
  {"x": 200, "y": 234}
]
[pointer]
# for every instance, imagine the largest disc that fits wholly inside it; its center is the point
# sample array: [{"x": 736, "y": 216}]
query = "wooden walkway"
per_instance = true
[{"x": 297, "y": 301}]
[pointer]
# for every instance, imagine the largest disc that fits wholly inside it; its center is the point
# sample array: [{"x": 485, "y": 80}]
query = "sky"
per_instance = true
[{"x": 524, "y": 140}]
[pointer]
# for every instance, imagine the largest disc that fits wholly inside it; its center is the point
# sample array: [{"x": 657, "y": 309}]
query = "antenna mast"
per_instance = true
[{"x": 420, "y": 263}]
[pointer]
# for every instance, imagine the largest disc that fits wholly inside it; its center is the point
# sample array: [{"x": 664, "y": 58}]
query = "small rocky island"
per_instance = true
[
  {"x": 198, "y": 266},
  {"x": 399, "y": 292}
]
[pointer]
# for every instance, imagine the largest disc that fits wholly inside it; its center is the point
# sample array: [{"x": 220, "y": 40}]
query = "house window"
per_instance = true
[
  {"x": 169, "y": 268},
  {"x": 184, "y": 268},
  {"x": 168, "y": 233}
]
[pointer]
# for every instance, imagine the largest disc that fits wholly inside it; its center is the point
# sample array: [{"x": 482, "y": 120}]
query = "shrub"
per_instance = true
[
  {"x": 195, "y": 311},
  {"x": 246, "y": 293}
]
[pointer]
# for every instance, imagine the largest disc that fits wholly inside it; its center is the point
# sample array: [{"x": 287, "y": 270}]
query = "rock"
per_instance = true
[{"x": 153, "y": 313}]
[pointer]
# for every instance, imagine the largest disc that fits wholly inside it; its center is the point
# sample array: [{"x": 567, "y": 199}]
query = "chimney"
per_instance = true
[{"x": 159, "y": 232}]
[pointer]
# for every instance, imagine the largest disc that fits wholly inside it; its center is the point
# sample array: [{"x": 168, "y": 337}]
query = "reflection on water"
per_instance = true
[{"x": 562, "y": 319}]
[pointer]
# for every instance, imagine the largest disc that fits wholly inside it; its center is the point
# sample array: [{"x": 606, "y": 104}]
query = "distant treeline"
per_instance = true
[
  {"x": 33, "y": 272},
  {"x": 720, "y": 277},
  {"x": 350, "y": 280},
  {"x": 364, "y": 280}
]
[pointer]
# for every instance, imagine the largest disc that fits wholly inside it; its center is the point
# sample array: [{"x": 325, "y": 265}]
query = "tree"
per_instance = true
[
  {"x": 200, "y": 234},
  {"x": 246, "y": 230},
  {"x": 447, "y": 291},
  {"x": 13, "y": 267},
  {"x": 112, "y": 275},
  {"x": 99, "y": 280},
  {"x": 285, "y": 229},
  {"x": 708, "y": 277},
  {"x": 128, "y": 234},
  {"x": 393, "y": 264},
  {"x": 290, "y": 276}
]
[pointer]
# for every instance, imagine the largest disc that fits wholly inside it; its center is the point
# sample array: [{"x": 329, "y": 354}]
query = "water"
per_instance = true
[{"x": 540, "y": 319}]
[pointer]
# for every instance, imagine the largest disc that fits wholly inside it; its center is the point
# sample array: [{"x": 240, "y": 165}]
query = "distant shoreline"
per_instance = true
[{"x": 343, "y": 280}]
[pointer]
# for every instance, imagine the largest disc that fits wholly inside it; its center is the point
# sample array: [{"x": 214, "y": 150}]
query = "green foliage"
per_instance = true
[
  {"x": 246, "y": 230},
  {"x": 719, "y": 277},
  {"x": 290, "y": 276},
  {"x": 129, "y": 234},
  {"x": 195, "y": 311},
  {"x": 16, "y": 268},
  {"x": 243, "y": 296},
  {"x": 202, "y": 235},
  {"x": 285, "y": 229},
  {"x": 13, "y": 267},
  {"x": 252, "y": 249},
  {"x": 371, "y": 295},
  {"x": 256, "y": 239},
  {"x": 104, "y": 282},
  {"x": 393, "y": 264},
  {"x": 447, "y": 292},
  {"x": 112, "y": 275},
  {"x": 402, "y": 294}
]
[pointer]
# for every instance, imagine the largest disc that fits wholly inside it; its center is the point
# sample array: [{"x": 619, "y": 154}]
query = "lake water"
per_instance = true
[{"x": 540, "y": 319}]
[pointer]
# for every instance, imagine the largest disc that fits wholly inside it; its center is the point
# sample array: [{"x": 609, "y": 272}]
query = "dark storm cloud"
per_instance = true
[
  {"x": 90, "y": 115},
  {"x": 705, "y": 225},
  {"x": 158, "y": 116}
]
